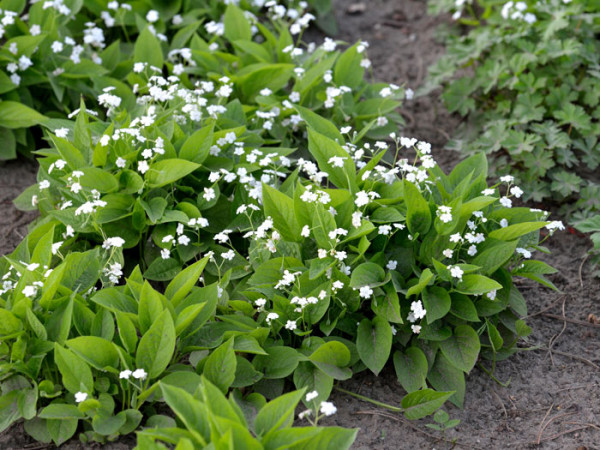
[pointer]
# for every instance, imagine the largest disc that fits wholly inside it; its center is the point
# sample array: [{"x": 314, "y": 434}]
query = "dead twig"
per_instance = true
[
  {"x": 554, "y": 338},
  {"x": 542, "y": 427},
  {"x": 545, "y": 309},
  {"x": 555, "y": 436},
  {"x": 574, "y": 321},
  {"x": 579, "y": 358},
  {"x": 545, "y": 425}
]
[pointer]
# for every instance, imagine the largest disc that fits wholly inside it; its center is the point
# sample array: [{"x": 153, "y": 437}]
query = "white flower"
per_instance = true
[
  {"x": 291, "y": 325},
  {"x": 488, "y": 192},
  {"x": 523, "y": 251},
  {"x": 152, "y": 16},
  {"x": 121, "y": 163},
  {"x": 415, "y": 328},
  {"x": 356, "y": 219},
  {"x": 29, "y": 291},
  {"x": 365, "y": 292},
  {"x": 165, "y": 253},
  {"x": 516, "y": 191},
  {"x": 507, "y": 178},
  {"x": 362, "y": 199},
  {"x": 472, "y": 251},
  {"x": 113, "y": 242},
  {"x": 385, "y": 229},
  {"x": 80, "y": 397},
  {"x": 417, "y": 309},
  {"x": 44, "y": 184},
  {"x": 305, "y": 231},
  {"x": 311, "y": 396},
  {"x": 61, "y": 132},
  {"x": 491, "y": 295},
  {"x": 337, "y": 161},
  {"x": 506, "y": 202},
  {"x": 229, "y": 255},
  {"x": 456, "y": 272},
  {"x": 555, "y": 225},
  {"x": 455, "y": 237},
  {"x": 503, "y": 223},
  {"x": 272, "y": 316},
  {"x": 139, "y": 374},
  {"x": 328, "y": 408},
  {"x": 392, "y": 264},
  {"x": 143, "y": 167},
  {"x": 125, "y": 374},
  {"x": 448, "y": 253},
  {"x": 183, "y": 240},
  {"x": 76, "y": 188},
  {"x": 209, "y": 194},
  {"x": 57, "y": 47}
]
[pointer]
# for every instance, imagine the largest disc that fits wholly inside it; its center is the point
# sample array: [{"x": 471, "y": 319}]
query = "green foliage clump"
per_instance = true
[{"x": 525, "y": 75}]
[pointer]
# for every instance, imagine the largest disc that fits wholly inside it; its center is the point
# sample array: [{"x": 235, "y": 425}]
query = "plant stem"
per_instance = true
[{"x": 370, "y": 400}]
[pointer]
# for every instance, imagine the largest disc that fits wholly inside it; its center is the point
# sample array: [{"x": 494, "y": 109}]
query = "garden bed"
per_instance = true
[{"x": 553, "y": 396}]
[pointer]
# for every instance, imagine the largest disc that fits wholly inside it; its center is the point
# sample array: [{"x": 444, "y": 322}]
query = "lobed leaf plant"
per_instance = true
[
  {"x": 55, "y": 51},
  {"x": 525, "y": 76},
  {"x": 184, "y": 249}
]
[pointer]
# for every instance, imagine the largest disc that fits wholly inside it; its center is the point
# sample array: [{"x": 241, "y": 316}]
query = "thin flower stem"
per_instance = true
[{"x": 370, "y": 400}]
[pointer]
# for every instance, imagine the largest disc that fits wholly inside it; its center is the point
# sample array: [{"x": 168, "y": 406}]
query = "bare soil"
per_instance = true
[{"x": 553, "y": 398}]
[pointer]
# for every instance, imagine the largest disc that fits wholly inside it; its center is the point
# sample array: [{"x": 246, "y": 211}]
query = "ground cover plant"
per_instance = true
[
  {"x": 525, "y": 75},
  {"x": 217, "y": 241},
  {"x": 55, "y": 51}
]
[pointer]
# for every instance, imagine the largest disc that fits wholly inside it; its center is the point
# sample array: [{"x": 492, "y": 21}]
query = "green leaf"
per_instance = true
[
  {"x": 323, "y": 149},
  {"x": 420, "y": 404},
  {"x": 443, "y": 376},
  {"x": 517, "y": 230},
  {"x": 76, "y": 374},
  {"x": 320, "y": 124},
  {"x": 495, "y": 255},
  {"x": 332, "y": 358},
  {"x": 168, "y": 171},
  {"x": 462, "y": 348},
  {"x": 280, "y": 208},
  {"x": 367, "y": 274},
  {"x": 99, "y": 179},
  {"x": 9, "y": 323},
  {"x": 313, "y": 379},
  {"x": 150, "y": 307},
  {"x": 474, "y": 284},
  {"x": 147, "y": 49},
  {"x": 192, "y": 413},
  {"x": 220, "y": 366},
  {"x": 418, "y": 215},
  {"x": 157, "y": 345},
  {"x": 61, "y": 430},
  {"x": 278, "y": 413},
  {"x": 279, "y": 363},
  {"x": 411, "y": 368},
  {"x": 182, "y": 284},
  {"x": 17, "y": 115},
  {"x": 236, "y": 24},
  {"x": 98, "y": 352},
  {"x": 197, "y": 147},
  {"x": 348, "y": 70},
  {"x": 424, "y": 280},
  {"x": 61, "y": 411},
  {"x": 436, "y": 301},
  {"x": 374, "y": 343}
]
